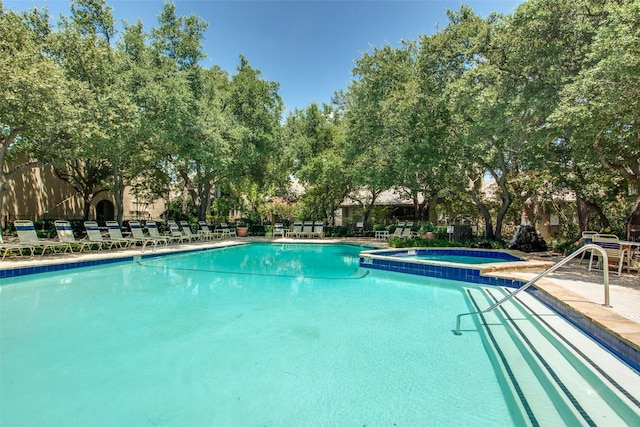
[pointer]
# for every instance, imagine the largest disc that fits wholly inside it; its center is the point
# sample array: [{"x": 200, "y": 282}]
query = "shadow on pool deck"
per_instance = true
[{"x": 571, "y": 285}]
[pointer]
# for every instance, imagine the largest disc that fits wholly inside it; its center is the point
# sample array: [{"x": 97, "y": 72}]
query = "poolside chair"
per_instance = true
[
  {"x": 222, "y": 231},
  {"x": 307, "y": 229},
  {"x": 138, "y": 234},
  {"x": 615, "y": 254},
  {"x": 407, "y": 233},
  {"x": 205, "y": 232},
  {"x": 278, "y": 230},
  {"x": 27, "y": 236},
  {"x": 95, "y": 235},
  {"x": 398, "y": 231},
  {"x": 587, "y": 239},
  {"x": 16, "y": 248},
  {"x": 318, "y": 229},
  {"x": 186, "y": 231},
  {"x": 115, "y": 233},
  {"x": 296, "y": 231},
  {"x": 176, "y": 233},
  {"x": 154, "y": 233},
  {"x": 65, "y": 235}
]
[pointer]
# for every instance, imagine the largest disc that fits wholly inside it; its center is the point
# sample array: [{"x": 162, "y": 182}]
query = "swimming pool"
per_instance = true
[
  {"x": 450, "y": 255},
  {"x": 253, "y": 335}
]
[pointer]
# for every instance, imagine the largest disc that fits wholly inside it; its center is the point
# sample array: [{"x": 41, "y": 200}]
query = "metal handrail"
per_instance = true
[{"x": 544, "y": 273}]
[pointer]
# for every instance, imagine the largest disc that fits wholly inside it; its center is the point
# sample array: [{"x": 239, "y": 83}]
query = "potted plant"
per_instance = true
[
  {"x": 427, "y": 230},
  {"x": 241, "y": 229}
]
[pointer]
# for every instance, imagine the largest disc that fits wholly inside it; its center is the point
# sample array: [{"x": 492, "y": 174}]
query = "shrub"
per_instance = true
[
  {"x": 257, "y": 230},
  {"x": 562, "y": 245},
  {"x": 396, "y": 242},
  {"x": 335, "y": 231},
  {"x": 487, "y": 244}
]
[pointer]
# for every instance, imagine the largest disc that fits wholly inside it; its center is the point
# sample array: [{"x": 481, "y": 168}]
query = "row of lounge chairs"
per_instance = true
[
  {"x": 404, "y": 231},
  {"x": 306, "y": 229},
  {"x": 30, "y": 243}
]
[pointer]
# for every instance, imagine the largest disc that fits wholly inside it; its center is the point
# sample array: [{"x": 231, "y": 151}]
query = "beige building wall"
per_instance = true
[{"x": 38, "y": 194}]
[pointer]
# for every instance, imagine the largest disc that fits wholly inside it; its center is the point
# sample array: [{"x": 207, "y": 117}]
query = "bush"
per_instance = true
[
  {"x": 257, "y": 230},
  {"x": 487, "y": 244},
  {"x": 335, "y": 231},
  {"x": 562, "y": 246},
  {"x": 396, "y": 242}
]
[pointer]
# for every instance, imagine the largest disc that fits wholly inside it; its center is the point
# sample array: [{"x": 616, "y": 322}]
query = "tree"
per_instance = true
[
  {"x": 371, "y": 143},
  {"x": 34, "y": 109},
  {"x": 482, "y": 128},
  {"x": 255, "y": 108},
  {"x": 601, "y": 105},
  {"x": 187, "y": 107},
  {"x": 82, "y": 49},
  {"x": 315, "y": 139}
]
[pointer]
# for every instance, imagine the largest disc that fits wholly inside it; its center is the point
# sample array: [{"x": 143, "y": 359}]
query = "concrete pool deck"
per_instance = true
[{"x": 571, "y": 285}]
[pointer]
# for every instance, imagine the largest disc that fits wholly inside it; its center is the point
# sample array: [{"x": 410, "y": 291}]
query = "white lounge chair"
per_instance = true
[
  {"x": 224, "y": 231},
  {"x": 15, "y": 248},
  {"x": 407, "y": 233},
  {"x": 399, "y": 230},
  {"x": 296, "y": 230},
  {"x": 95, "y": 235},
  {"x": 154, "y": 233},
  {"x": 205, "y": 232},
  {"x": 318, "y": 229},
  {"x": 138, "y": 234},
  {"x": 307, "y": 229},
  {"x": 65, "y": 235},
  {"x": 611, "y": 245},
  {"x": 115, "y": 233},
  {"x": 28, "y": 236},
  {"x": 278, "y": 230},
  {"x": 186, "y": 231},
  {"x": 176, "y": 233}
]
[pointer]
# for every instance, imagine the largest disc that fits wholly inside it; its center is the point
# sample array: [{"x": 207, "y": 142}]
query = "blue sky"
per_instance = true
[{"x": 307, "y": 46}]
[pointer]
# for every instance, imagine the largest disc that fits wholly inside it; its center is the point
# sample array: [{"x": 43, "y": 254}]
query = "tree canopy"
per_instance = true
[{"x": 500, "y": 114}]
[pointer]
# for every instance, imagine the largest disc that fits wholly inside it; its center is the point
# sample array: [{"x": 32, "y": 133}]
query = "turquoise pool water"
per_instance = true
[
  {"x": 258, "y": 335},
  {"x": 451, "y": 255}
]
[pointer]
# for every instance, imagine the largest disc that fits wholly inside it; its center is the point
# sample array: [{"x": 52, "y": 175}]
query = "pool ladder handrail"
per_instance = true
[{"x": 589, "y": 247}]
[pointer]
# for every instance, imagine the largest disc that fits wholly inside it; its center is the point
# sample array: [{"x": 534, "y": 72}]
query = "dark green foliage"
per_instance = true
[
  {"x": 336, "y": 231},
  {"x": 423, "y": 243},
  {"x": 562, "y": 246}
]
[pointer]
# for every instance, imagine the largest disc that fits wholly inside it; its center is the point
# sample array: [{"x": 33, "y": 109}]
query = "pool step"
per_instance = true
[{"x": 557, "y": 375}]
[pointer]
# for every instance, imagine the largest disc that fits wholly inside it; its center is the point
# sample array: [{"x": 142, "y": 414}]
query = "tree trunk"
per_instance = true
[
  {"x": 484, "y": 211},
  {"x": 634, "y": 218},
  {"x": 4, "y": 186},
  {"x": 87, "y": 206},
  {"x": 432, "y": 212},
  {"x": 185, "y": 196},
  {"x": 583, "y": 214},
  {"x": 604, "y": 221},
  {"x": 118, "y": 196},
  {"x": 500, "y": 218}
]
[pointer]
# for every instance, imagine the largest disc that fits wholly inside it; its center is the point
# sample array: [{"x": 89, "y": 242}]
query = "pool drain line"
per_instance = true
[{"x": 292, "y": 276}]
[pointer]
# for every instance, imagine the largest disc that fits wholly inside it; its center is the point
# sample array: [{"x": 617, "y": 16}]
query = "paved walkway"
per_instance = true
[{"x": 572, "y": 284}]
